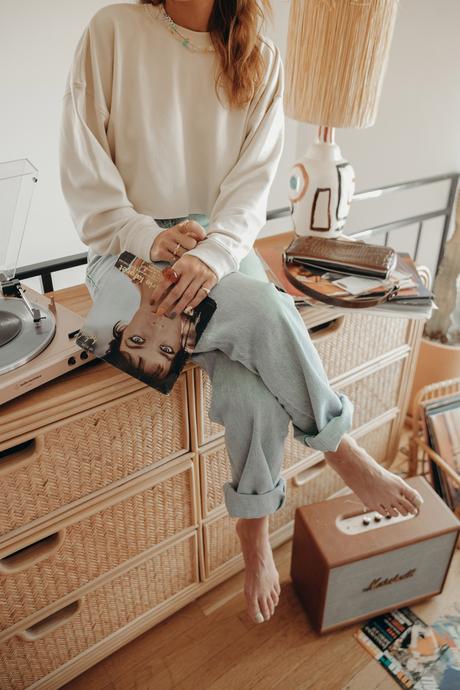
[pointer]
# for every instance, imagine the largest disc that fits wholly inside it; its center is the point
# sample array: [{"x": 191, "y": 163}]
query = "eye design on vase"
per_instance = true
[{"x": 298, "y": 182}]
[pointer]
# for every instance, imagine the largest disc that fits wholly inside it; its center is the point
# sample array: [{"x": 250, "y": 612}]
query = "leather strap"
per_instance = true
[{"x": 351, "y": 301}]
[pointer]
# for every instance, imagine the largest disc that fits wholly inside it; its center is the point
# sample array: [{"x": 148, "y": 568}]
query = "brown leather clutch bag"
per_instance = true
[
  {"x": 320, "y": 254},
  {"x": 346, "y": 256}
]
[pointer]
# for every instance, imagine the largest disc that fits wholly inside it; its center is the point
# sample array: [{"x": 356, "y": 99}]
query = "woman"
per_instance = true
[{"x": 174, "y": 110}]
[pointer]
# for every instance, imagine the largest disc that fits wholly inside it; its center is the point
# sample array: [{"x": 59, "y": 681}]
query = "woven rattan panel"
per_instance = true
[
  {"x": 220, "y": 540},
  {"x": 103, "y": 611},
  {"x": 90, "y": 452},
  {"x": 100, "y": 542},
  {"x": 361, "y": 338}
]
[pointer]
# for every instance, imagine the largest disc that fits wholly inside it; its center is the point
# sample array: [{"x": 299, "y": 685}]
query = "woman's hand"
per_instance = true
[
  {"x": 173, "y": 242},
  {"x": 173, "y": 298}
]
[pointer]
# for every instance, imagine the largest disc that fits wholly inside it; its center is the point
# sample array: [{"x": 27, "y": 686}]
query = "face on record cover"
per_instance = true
[{"x": 122, "y": 328}]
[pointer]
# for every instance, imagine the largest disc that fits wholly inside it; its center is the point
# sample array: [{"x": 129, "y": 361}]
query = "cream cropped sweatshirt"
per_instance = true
[{"x": 144, "y": 136}]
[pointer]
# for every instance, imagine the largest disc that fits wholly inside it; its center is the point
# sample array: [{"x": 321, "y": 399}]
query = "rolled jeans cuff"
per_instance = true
[
  {"x": 328, "y": 438},
  {"x": 254, "y": 505}
]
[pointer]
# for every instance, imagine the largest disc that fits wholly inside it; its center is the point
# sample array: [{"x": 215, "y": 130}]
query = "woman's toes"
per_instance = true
[
  {"x": 413, "y": 496},
  {"x": 277, "y": 588},
  {"x": 264, "y": 609},
  {"x": 271, "y": 605},
  {"x": 387, "y": 510},
  {"x": 404, "y": 507},
  {"x": 275, "y": 598},
  {"x": 255, "y": 612},
  {"x": 410, "y": 507}
]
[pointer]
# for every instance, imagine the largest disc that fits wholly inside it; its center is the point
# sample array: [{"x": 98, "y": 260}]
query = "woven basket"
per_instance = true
[
  {"x": 315, "y": 484},
  {"x": 96, "y": 544},
  {"x": 89, "y": 452},
  {"x": 32, "y": 654}
]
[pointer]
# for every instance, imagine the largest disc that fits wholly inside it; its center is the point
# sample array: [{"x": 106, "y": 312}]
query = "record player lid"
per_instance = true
[{"x": 17, "y": 182}]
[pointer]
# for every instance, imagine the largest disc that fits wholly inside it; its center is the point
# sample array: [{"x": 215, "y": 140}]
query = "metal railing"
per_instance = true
[{"x": 45, "y": 269}]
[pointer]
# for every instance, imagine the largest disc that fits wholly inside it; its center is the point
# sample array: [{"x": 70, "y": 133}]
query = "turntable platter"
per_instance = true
[
  {"x": 10, "y": 327},
  {"x": 20, "y": 338}
]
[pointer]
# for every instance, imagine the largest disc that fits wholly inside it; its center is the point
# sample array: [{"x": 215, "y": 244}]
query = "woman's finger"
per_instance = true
[
  {"x": 192, "y": 228},
  {"x": 175, "y": 248},
  {"x": 160, "y": 291},
  {"x": 163, "y": 287},
  {"x": 193, "y": 292},
  {"x": 164, "y": 304},
  {"x": 188, "y": 241},
  {"x": 201, "y": 294}
]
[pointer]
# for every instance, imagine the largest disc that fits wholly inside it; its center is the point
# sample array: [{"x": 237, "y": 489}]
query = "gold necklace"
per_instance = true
[{"x": 172, "y": 26}]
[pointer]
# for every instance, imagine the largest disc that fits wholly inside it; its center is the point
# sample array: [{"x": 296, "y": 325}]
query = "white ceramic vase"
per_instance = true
[{"x": 321, "y": 187}]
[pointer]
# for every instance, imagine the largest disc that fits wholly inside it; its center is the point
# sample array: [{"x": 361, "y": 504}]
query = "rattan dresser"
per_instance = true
[{"x": 112, "y": 514}]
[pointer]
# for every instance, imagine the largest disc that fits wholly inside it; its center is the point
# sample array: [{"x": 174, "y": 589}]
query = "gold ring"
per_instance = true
[
  {"x": 175, "y": 250},
  {"x": 207, "y": 290}
]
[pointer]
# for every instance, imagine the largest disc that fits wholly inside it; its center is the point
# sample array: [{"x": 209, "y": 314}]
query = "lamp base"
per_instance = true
[{"x": 321, "y": 187}]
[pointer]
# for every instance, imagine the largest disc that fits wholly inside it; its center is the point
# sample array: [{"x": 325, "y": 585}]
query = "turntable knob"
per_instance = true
[{"x": 71, "y": 360}]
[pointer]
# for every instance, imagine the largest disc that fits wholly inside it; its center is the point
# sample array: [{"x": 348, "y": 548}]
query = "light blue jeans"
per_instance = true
[{"x": 265, "y": 372}]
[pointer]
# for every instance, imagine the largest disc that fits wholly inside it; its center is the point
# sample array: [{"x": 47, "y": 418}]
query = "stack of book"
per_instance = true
[{"x": 413, "y": 299}]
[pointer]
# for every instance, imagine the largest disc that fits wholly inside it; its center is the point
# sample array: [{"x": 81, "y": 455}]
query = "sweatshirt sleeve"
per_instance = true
[
  {"x": 240, "y": 211},
  {"x": 92, "y": 186}
]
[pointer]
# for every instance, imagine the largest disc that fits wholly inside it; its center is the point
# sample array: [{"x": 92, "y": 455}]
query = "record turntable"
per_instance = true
[{"x": 37, "y": 335}]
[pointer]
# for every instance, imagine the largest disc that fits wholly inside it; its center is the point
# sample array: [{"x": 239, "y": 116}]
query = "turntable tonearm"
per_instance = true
[{"x": 37, "y": 334}]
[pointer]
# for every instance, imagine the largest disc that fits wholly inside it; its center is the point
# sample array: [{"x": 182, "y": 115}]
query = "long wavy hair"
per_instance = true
[{"x": 235, "y": 33}]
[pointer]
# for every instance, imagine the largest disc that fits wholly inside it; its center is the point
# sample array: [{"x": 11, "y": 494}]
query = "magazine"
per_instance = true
[
  {"x": 417, "y": 655},
  {"x": 122, "y": 328}
]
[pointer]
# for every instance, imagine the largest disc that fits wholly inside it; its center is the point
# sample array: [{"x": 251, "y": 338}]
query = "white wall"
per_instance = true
[{"x": 417, "y": 131}]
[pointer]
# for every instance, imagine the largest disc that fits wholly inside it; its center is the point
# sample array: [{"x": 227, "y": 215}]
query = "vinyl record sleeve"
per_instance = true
[{"x": 122, "y": 328}]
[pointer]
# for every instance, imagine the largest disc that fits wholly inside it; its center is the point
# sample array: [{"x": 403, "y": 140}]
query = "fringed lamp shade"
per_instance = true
[
  {"x": 336, "y": 59},
  {"x": 337, "y": 53}
]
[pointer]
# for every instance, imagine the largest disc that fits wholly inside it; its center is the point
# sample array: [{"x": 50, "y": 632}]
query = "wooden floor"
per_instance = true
[{"x": 212, "y": 644}]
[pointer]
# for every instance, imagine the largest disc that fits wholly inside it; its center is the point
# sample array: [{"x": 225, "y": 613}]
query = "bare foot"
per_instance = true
[
  {"x": 261, "y": 585},
  {"x": 378, "y": 488}
]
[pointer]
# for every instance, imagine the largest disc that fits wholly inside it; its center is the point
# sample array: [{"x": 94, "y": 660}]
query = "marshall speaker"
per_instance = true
[{"x": 348, "y": 565}]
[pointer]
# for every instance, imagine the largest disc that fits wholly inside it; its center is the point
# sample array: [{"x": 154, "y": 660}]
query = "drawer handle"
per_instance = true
[
  {"x": 310, "y": 473},
  {"x": 32, "y": 553},
  {"x": 50, "y": 623},
  {"x": 326, "y": 329},
  {"x": 20, "y": 455}
]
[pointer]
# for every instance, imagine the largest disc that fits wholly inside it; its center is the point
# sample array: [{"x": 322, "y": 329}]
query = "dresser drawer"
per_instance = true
[
  {"x": 32, "y": 654},
  {"x": 90, "y": 451},
  {"x": 146, "y": 513},
  {"x": 311, "y": 485},
  {"x": 351, "y": 340},
  {"x": 347, "y": 342}
]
